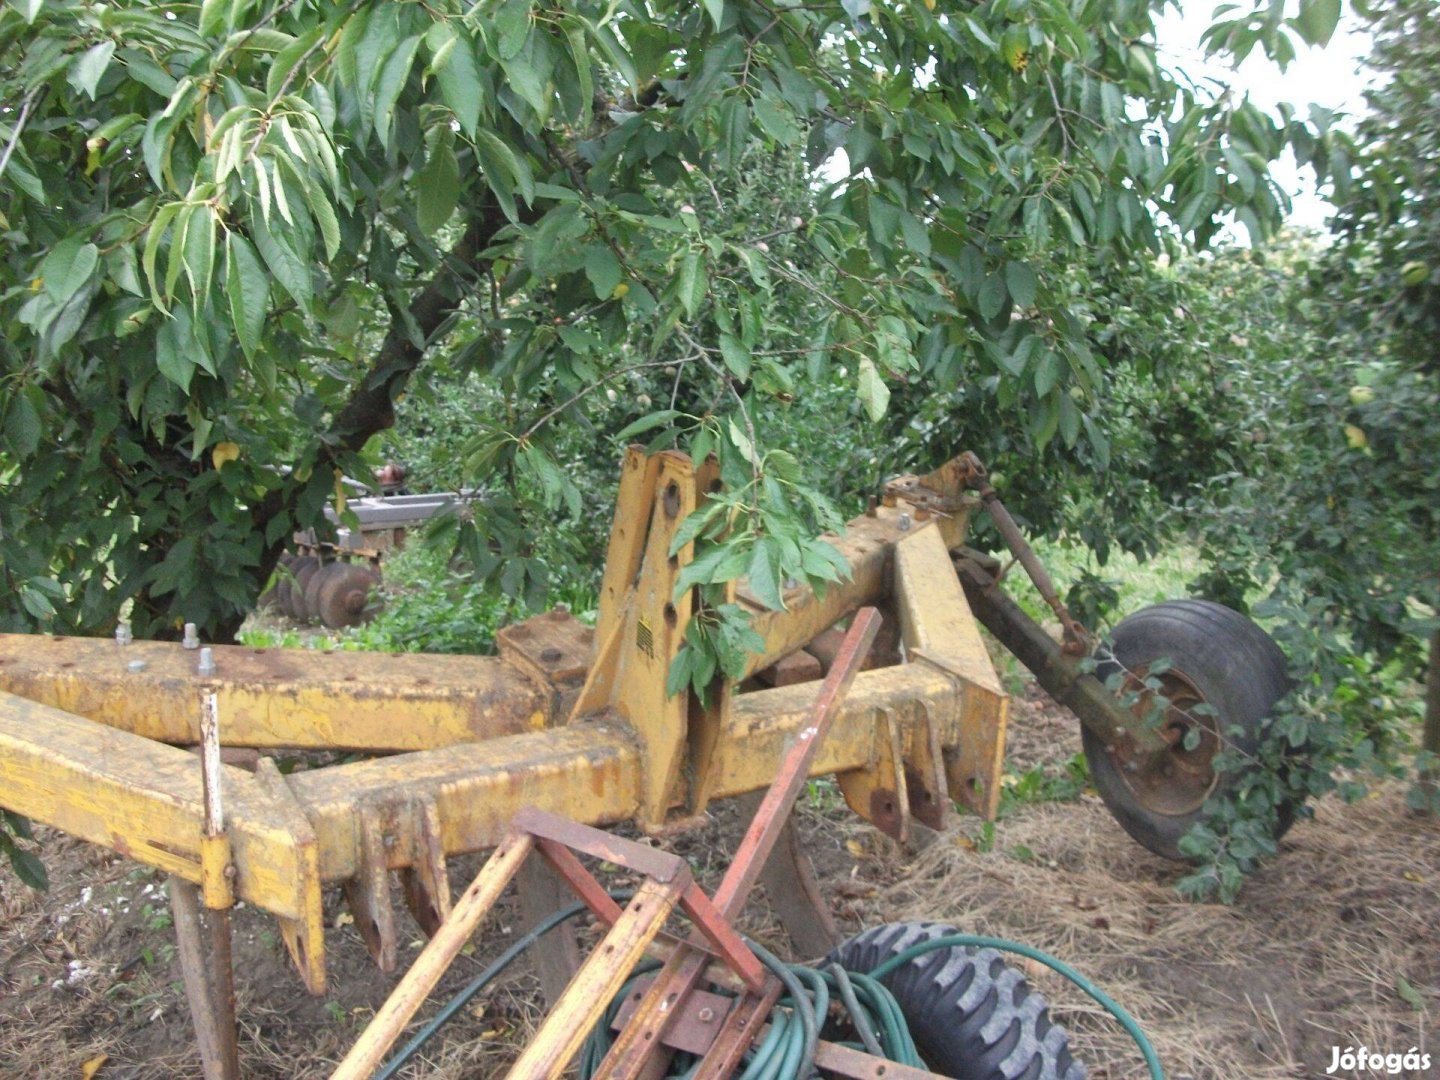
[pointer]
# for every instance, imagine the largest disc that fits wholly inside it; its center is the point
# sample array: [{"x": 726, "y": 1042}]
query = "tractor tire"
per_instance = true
[
  {"x": 316, "y": 583},
  {"x": 972, "y": 1016},
  {"x": 305, "y": 567},
  {"x": 1218, "y": 657},
  {"x": 345, "y": 595}
]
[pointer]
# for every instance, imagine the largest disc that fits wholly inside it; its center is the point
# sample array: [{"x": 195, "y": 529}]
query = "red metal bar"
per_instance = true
[
  {"x": 779, "y": 800},
  {"x": 718, "y": 931},
  {"x": 638, "y": 1046},
  {"x": 651, "y": 862}
]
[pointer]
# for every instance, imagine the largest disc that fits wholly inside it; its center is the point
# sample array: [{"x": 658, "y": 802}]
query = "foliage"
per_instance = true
[
  {"x": 1332, "y": 507},
  {"x": 234, "y": 237}
]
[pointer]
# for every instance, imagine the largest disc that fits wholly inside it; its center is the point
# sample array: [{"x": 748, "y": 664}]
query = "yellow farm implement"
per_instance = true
[{"x": 573, "y": 723}]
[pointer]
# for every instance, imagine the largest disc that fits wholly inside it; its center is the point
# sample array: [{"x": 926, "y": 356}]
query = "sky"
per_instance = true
[{"x": 1332, "y": 77}]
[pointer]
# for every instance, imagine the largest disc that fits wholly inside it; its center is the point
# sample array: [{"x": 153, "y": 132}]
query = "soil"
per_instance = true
[{"x": 1334, "y": 943}]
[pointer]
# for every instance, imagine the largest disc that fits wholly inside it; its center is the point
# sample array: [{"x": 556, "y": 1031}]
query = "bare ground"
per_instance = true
[{"x": 1318, "y": 952}]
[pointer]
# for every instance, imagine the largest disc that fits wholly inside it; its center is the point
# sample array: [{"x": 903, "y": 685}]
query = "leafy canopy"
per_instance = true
[{"x": 237, "y": 232}]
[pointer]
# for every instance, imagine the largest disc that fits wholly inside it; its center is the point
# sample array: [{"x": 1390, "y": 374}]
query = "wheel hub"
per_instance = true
[{"x": 1178, "y": 779}]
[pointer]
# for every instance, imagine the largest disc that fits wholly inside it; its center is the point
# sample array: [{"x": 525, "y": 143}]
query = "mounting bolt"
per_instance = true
[
  {"x": 122, "y": 634},
  {"x": 207, "y": 661},
  {"x": 191, "y": 640},
  {"x": 904, "y": 522},
  {"x": 705, "y": 1015},
  {"x": 136, "y": 665}
]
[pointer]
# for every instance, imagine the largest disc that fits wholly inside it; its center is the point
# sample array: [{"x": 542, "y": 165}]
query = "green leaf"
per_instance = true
[
  {"x": 284, "y": 262},
  {"x": 1021, "y": 282},
  {"x": 716, "y": 10},
  {"x": 1409, "y": 994},
  {"x": 742, "y": 442},
  {"x": 29, "y": 869},
  {"x": 992, "y": 297},
  {"x": 513, "y": 21},
  {"x": 776, "y": 121},
  {"x": 213, "y": 16},
  {"x": 22, "y": 424},
  {"x": 437, "y": 187},
  {"x": 172, "y": 351},
  {"x": 502, "y": 164},
  {"x": 68, "y": 267},
  {"x": 1317, "y": 20},
  {"x": 461, "y": 87},
  {"x": 390, "y": 83},
  {"x": 284, "y": 70},
  {"x": 200, "y": 254},
  {"x": 737, "y": 356},
  {"x": 603, "y": 269},
  {"x": 153, "y": 237},
  {"x": 247, "y": 286},
  {"x": 693, "y": 283},
  {"x": 873, "y": 392},
  {"x": 89, "y": 68},
  {"x": 764, "y": 574},
  {"x": 647, "y": 423},
  {"x": 1047, "y": 373}
]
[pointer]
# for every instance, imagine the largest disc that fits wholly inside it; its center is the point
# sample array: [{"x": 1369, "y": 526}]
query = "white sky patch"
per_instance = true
[{"x": 1333, "y": 77}]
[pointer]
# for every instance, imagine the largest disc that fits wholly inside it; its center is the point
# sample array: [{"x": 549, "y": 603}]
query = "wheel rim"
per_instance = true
[{"x": 1173, "y": 781}]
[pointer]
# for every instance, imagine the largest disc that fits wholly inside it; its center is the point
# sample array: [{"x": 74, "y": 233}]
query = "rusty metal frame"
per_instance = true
[{"x": 565, "y": 720}]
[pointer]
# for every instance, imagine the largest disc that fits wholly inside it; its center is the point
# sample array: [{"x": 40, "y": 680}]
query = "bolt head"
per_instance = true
[{"x": 705, "y": 1015}]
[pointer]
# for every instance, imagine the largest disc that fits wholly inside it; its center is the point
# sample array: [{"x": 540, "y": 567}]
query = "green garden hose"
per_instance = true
[
  {"x": 1109, "y": 1004},
  {"x": 788, "y": 1050}
]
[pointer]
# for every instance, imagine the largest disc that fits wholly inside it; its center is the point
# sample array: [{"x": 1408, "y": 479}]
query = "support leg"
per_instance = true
[
  {"x": 794, "y": 892},
  {"x": 209, "y": 985},
  {"x": 542, "y": 892}
]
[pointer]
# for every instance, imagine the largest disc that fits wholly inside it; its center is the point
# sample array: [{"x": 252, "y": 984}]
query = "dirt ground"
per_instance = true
[{"x": 1336, "y": 943}]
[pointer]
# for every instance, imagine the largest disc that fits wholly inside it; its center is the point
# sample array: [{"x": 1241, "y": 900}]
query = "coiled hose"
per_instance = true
[{"x": 788, "y": 1049}]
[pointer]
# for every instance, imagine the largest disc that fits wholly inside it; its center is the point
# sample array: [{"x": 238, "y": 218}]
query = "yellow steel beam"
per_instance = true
[
  {"x": 144, "y": 799},
  {"x": 939, "y": 630},
  {"x": 588, "y": 771},
  {"x": 294, "y": 698}
]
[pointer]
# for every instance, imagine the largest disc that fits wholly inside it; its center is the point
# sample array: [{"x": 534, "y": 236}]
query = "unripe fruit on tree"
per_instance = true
[
  {"x": 1356, "y": 437},
  {"x": 1361, "y": 395},
  {"x": 224, "y": 453},
  {"x": 1414, "y": 273}
]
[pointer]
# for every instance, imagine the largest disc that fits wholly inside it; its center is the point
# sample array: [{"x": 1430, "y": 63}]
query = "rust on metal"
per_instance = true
[
  {"x": 278, "y": 698},
  {"x": 1055, "y": 670}
]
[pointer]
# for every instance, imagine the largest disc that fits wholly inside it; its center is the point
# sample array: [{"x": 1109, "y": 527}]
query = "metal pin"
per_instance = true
[
  {"x": 207, "y": 661},
  {"x": 123, "y": 636},
  {"x": 191, "y": 640},
  {"x": 904, "y": 522}
]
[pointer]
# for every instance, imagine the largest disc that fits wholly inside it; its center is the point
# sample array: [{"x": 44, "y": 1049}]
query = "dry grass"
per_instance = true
[{"x": 1306, "y": 960}]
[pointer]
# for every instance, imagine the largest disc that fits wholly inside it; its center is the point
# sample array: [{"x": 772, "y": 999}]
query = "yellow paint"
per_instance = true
[{"x": 293, "y": 698}]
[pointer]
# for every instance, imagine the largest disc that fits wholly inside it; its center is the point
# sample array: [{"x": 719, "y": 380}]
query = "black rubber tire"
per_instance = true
[
  {"x": 972, "y": 1015},
  {"x": 1234, "y": 664}
]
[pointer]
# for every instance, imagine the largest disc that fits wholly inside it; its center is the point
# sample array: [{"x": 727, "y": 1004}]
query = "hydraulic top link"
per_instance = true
[{"x": 1078, "y": 640}]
